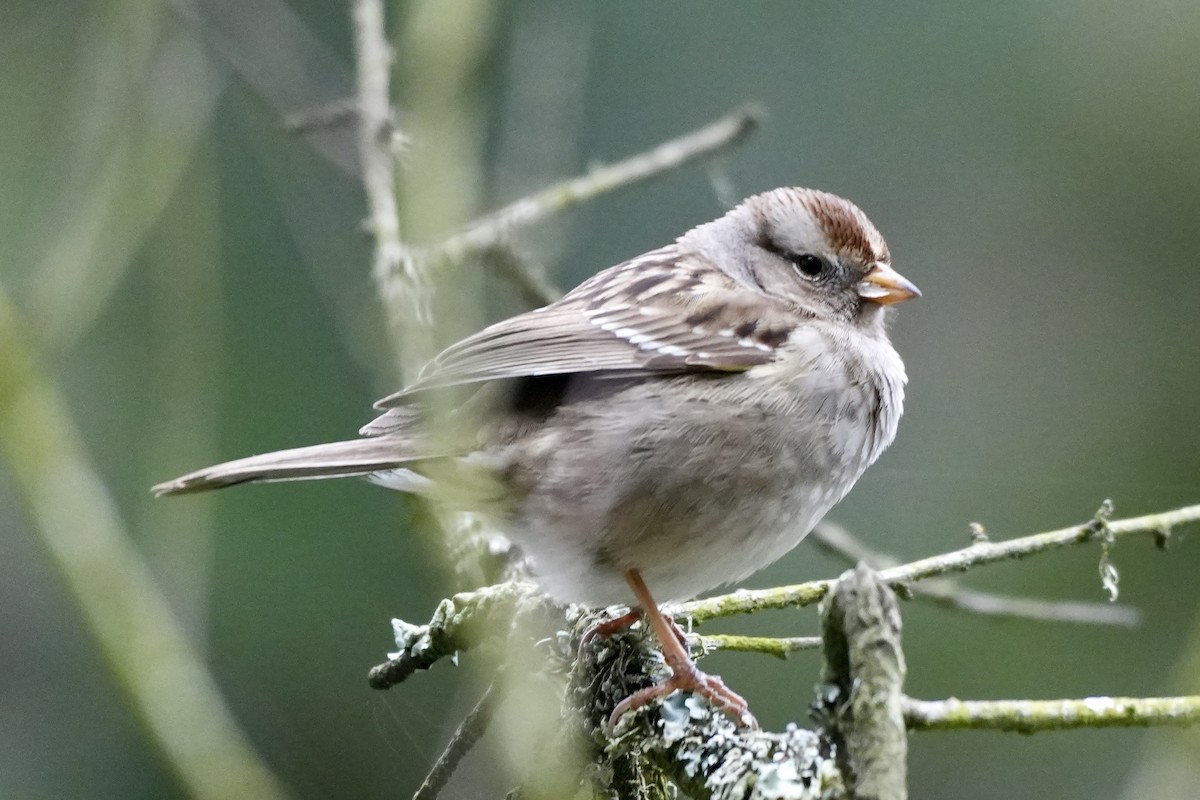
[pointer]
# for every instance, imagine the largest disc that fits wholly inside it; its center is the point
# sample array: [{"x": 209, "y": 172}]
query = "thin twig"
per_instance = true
[
  {"x": 459, "y": 623},
  {"x": 746, "y": 601},
  {"x": 331, "y": 115},
  {"x": 943, "y": 591},
  {"x": 1157, "y": 525},
  {"x": 530, "y": 278},
  {"x": 1031, "y": 716},
  {"x": 706, "y": 142},
  {"x": 837, "y": 541},
  {"x": 392, "y": 258},
  {"x": 947, "y": 593},
  {"x": 766, "y": 645},
  {"x": 469, "y": 731}
]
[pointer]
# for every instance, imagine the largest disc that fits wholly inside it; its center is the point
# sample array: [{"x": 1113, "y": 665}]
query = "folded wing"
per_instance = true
[{"x": 654, "y": 314}]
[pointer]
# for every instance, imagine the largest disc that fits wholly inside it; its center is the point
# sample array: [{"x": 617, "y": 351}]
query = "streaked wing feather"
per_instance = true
[{"x": 657, "y": 313}]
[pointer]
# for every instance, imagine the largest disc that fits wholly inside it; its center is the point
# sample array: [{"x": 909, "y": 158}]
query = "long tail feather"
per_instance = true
[{"x": 333, "y": 460}]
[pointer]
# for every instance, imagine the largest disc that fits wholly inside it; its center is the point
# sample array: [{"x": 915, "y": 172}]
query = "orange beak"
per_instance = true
[{"x": 883, "y": 285}]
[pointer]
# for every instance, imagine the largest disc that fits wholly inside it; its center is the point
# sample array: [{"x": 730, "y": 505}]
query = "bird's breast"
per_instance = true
[{"x": 699, "y": 481}]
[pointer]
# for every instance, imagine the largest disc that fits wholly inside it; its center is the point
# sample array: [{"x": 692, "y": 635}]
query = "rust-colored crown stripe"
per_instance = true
[{"x": 850, "y": 233}]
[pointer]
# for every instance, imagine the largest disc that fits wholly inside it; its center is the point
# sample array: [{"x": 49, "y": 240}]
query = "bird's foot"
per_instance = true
[{"x": 687, "y": 677}]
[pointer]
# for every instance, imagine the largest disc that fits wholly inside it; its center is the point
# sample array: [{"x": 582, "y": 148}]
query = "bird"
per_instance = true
[{"x": 673, "y": 424}]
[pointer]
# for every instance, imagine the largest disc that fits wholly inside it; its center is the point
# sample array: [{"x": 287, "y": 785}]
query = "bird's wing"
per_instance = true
[{"x": 657, "y": 313}]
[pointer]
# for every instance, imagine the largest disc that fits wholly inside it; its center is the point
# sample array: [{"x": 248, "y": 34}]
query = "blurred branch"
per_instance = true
[
  {"x": 1032, "y": 716},
  {"x": 979, "y": 554},
  {"x": 397, "y": 273},
  {"x": 839, "y": 541},
  {"x": 490, "y": 236},
  {"x": 278, "y": 54},
  {"x": 946, "y": 593},
  {"x": 711, "y": 140},
  {"x": 528, "y": 277},
  {"x": 337, "y": 114},
  {"x": 166, "y": 682},
  {"x": 125, "y": 145},
  {"x": 468, "y": 732}
]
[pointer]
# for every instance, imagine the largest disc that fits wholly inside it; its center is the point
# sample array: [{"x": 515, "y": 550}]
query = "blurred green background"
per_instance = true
[{"x": 194, "y": 281}]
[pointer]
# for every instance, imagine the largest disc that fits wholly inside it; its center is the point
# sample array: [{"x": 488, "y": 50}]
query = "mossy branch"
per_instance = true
[
  {"x": 461, "y": 622},
  {"x": 979, "y": 554},
  {"x": 1033, "y": 716}
]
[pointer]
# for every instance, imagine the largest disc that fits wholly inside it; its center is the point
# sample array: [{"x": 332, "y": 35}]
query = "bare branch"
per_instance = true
[
  {"x": 1158, "y": 525},
  {"x": 949, "y": 594},
  {"x": 377, "y": 159},
  {"x": 979, "y": 554},
  {"x": 454, "y": 626},
  {"x": 748, "y": 601},
  {"x": 530, "y": 278},
  {"x": 469, "y": 731},
  {"x": 331, "y": 115},
  {"x": 1031, "y": 716},
  {"x": 706, "y": 142},
  {"x": 946, "y": 592}
]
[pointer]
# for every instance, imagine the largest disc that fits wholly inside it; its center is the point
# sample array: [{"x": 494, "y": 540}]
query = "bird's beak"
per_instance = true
[{"x": 883, "y": 285}]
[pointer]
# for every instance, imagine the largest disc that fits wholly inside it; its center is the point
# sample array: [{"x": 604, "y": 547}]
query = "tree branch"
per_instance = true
[
  {"x": 528, "y": 277},
  {"x": 377, "y": 139},
  {"x": 714, "y": 138},
  {"x": 945, "y": 592},
  {"x": 864, "y": 661},
  {"x": 162, "y": 676},
  {"x": 459, "y": 623},
  {"x": 469, "y": 731},
  {"x": 765, "y": 645},
  {"x": 979, "y": 554},
  {"x": 1031, "y": 716}
]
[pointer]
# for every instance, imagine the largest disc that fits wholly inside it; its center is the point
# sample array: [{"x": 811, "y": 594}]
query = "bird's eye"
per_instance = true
[{"x": 810, "y": 266}]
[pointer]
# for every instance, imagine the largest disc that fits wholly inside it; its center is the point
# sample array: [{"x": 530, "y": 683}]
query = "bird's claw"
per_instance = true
[{"x": 687, "y": 677}]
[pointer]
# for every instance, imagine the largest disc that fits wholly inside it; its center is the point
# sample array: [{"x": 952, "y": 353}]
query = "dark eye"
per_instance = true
[{"x": 810, "y": 266}]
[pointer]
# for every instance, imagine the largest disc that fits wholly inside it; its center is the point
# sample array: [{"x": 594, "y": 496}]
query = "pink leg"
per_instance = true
[
  {"x": 685, "y": 675},
  {"x": 611, "y": 627}
]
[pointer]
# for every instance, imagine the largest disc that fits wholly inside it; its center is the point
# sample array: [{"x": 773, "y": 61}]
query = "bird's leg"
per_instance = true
[
  {"x": 611, "y": 627},
  {"x": 685, "y": 675}
]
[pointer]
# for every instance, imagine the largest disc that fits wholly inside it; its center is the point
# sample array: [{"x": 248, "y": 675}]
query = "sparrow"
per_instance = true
[{"x": 674, "y": 423}]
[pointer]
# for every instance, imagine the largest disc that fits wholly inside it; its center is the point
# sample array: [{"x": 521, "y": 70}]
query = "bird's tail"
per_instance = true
[{"x": 333, "y": 460}]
